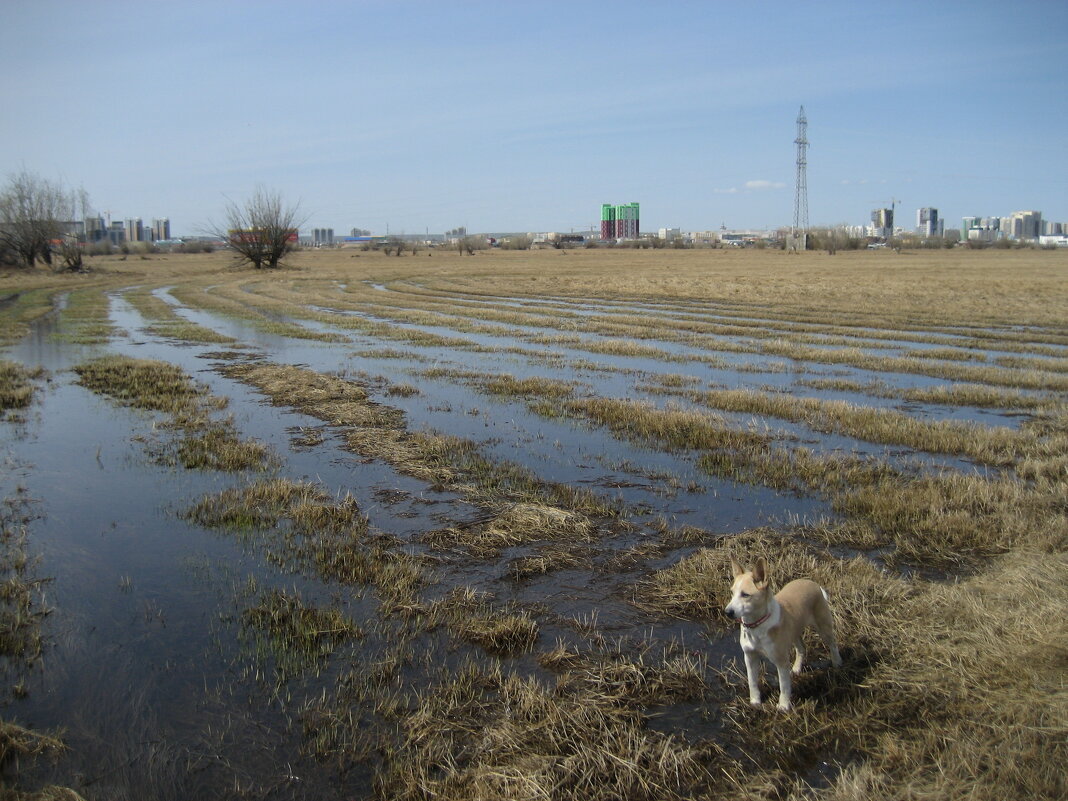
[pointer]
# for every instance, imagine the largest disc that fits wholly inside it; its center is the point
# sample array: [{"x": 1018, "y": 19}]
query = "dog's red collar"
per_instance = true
[{"x": 757, "y": 623}]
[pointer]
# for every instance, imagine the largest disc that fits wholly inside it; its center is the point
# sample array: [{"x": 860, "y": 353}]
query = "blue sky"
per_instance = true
[{"x": 508, "y": 115}]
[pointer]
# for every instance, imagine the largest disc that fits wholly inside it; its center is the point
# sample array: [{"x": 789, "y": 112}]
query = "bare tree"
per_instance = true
[
  {"x": 262, "y": 231},
  {"x": 35, "y": 215},
  {"x": 469, "y": 244},
  {"x": 394, "y": 245}
]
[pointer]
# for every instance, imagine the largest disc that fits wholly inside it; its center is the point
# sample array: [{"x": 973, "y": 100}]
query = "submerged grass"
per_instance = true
[
  {"x": 16, "y": 385},
  {"x": 21, "y": 308},
  {"x": 503, "y": 631},
  {"x": 518, "y": 524},
  {"x": 300, "y": 525},
  {"x": 84, "y": 319},
  {"x": 293, "y": 634},
  {"x": 22, "y": 600},
  {"x": 163, "y": 387},
  {"x": 944, "y": 517},
  {"x": 23, "y": 610},
  {"x": 975, "y": 395},
  {"x": 376, "y": 430},
  {"x": 219, "y": 303},
  {"x": 164, "y": 321},
  {"x": 984, "y": 444},
  {"x": 144, "y": 384}
]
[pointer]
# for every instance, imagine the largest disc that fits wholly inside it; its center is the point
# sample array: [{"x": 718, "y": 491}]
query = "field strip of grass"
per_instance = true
[
  {"x": 17, "y": 385},
  {"x": 85, "y": 318},
  {"x": 984, "y": 444},
  {"x": 153, "y": 385},
  {"x": 642, "y": 329},
  {"x": 19, "y": 309},
  {"x": 1006, "y": 377},
  {"x": 198, "y": 297},
  {"x": 945, "y": 518},
  {"x": 742, "y": 324},
  {"x": 974, "y": 395},
  {"x": 302, "y": 527},
  {"x": 282, "y": 302},
  {"x": 164, "y": 321},
  {"x": 378, "y": 431}
]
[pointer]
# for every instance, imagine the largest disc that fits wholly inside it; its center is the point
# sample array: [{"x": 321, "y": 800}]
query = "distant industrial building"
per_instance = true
[
  {"x": 619, "y": 222},
  {"x": 928, "y": 223},
  {"x": 323, "y": 237}
]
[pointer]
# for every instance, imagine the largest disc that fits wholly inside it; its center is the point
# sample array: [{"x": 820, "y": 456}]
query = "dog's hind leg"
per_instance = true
[
  {"x": 785, "y": 686},
  {"x": 799, "y": 646},
  {"x": 824, "y": 620}
]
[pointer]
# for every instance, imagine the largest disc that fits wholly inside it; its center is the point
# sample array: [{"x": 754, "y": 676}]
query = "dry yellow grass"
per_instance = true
[{"x": 982, "y": 287}]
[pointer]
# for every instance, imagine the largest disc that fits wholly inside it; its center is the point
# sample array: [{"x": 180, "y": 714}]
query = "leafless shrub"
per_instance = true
[{"x": 262, "y": 231}]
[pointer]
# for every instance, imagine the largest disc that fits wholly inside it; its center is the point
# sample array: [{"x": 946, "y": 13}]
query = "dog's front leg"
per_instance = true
[
  {"x": 753, "y": 669},
  {"x": 785, "y": 685}
]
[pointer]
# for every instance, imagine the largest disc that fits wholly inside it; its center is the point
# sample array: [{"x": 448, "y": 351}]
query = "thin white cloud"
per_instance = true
[
  {"x": 762, "y": 184},
  {"x": 750, "y": 186}
]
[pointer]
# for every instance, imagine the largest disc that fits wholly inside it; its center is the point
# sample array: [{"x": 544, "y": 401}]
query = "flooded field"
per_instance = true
[{"x": 459, "y": 527}]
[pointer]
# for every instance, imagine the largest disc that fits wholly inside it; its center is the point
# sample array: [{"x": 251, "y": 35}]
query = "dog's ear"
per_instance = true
[
  {"x": 736, "y": 568},
  {"x": 760, "y": 573}
]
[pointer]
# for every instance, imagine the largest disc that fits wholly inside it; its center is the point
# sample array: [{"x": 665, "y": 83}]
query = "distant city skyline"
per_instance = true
[{"x": 414, "y": 116}]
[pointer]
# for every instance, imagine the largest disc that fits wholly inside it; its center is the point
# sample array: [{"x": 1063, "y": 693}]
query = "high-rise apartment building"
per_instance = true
[
  {"x": 135, "y": 230},
  {"x": 161, "y": 229},
  {"x": 620, "y": 222},
  {"x": 928, "y": 223},
  {"x": 1025, "y": 224},
  {"x": 882, "y": 223},
  {"x": 96, "y": 229}
]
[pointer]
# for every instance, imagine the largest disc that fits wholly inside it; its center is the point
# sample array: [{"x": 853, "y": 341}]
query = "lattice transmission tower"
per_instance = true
[{"x": 799, "y": 234}]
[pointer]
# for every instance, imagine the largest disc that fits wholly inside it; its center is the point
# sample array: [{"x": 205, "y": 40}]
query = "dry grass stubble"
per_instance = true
[{"x": 949, "y": 690}]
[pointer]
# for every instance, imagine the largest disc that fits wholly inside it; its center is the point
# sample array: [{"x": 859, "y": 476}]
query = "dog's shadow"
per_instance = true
[
  {"x": 819, "y": 682},
  {"x": 823, "y": 683}
]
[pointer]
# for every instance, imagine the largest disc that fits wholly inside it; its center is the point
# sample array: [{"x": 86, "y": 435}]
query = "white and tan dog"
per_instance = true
[{"x": 771, "y": 625}]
